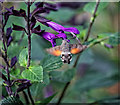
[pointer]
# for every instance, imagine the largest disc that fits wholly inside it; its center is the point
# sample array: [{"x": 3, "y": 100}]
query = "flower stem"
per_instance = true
[
  {"x": 76, "y": 61},
  {"x": 30, "y": 96},
  {"x": 4, "y": 56},
  {"x": 63, "y": 93},
  {"x": 92, "y": 21},
  {"x": 29, "y": 36},
  {"x": 29, "y": 47},
  {"x": 26, "y": 97}
]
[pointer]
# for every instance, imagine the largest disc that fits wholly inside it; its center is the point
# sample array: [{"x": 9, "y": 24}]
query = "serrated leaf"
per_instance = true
[
  {"x": 34, "y": 74},
  {"x": 11, "y": 100},
  {"x": 23, "y": 57},
  {"x": 91, "y": 6},
  {"x": 51, "y": 63},
  {"x": 63, "y": 76}
]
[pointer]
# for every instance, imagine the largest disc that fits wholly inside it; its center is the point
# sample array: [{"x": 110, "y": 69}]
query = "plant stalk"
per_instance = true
[
  {"x": 92, "y": 21},
  {"x": 5, "y": 57},
  {"x": 29, "y": 36},
  {"x": 29, "y": 48},
  {"x": 75, "y": 64}
]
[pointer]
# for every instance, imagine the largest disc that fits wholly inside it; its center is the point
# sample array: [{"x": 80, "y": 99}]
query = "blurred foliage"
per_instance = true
[{"x": 97, "y": 68}]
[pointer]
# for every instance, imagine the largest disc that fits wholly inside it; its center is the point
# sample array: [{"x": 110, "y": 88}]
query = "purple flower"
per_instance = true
[
  {"x": 9, "y": 40},
  {"x": 60, "y": 29},
  {"x": 13, "y": 61},
  {"x": 8, "y": 36},
  {"x": 108, "y": 45},
  {"x": 51, "y": 37},
  {"x": 11, "y": 11},
  {"x": 18, "y": 28},
  {"x": 24, "y": 84}
]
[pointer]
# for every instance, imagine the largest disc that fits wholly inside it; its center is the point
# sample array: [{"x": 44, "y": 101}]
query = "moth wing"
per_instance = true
[
  {"x": 77, "y": 48},
  {"x": 56, "y": 51}
]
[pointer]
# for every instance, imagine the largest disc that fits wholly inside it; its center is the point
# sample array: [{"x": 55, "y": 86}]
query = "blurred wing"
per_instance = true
[
  {"x": 54, "y": 51},
  {"x": 76, "y": 48}
]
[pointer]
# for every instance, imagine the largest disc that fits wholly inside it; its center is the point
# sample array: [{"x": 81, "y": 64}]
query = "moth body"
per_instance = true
[{"x": 65, "y": 50}]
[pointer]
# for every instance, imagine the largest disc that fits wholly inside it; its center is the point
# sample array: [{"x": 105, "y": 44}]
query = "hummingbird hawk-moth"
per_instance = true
[{"x": 66, "y": 50}]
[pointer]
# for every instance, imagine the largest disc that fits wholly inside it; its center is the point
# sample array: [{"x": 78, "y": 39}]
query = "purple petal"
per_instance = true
[
  {"x": 60, "y": 28},
  {"x": 37, "y": 30},
  {"x": 18, "y": 28},
  {"x": 23, "y": 86},
  {"x": 39, "y": 4},
  {"x": 9, "y": 41},
  {"x": 48, "y": 91},
  {"x": 33, "y": 22},
  {"x": 71, "y": 29},
  {"x": 3, "y": 76},
  {"x": 41, "y": 19},
  {"x": 8, "y": 13},
  {"x": 13, "y": 61},
  {"x": 50, "y": 6},
  {"x": 9, "y": 31},
  {"x": 108, "y": 45},
  {"x": 55, "y": 26},
  {"x": 38, "y": 11},
  {"x": 50, "y": 37},
  {"x": 10, "y": 9},
  {"x": 22, "y": 80},
  {"x": 63, "y": 36},
  {"x": 22, "y": 13}
]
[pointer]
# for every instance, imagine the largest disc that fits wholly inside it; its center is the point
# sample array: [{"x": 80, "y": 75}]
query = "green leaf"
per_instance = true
[
  {"x": 15, "y": 72},
  {"x": 51, "y": 63},
  {"x": 113, "y": 38},
  {"x": 11, "y": 100},
  {"x": 62, "y": 15},
  {"x": 63, "y": 76},
  {"x": 90, "y": 7},
  {"x": 86, "y": 57},
  {"x": 23, "y": 57},
  {"x": 14, "y": 50},
  {"x": 46, "y": 100},
  {"x": 33, "y": 73}
]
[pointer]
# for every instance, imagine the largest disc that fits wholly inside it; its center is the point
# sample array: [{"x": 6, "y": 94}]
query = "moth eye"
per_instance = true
[{"x": 65, "y": 61}]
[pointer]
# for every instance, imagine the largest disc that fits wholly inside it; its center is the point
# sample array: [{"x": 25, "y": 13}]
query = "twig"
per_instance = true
[
  {"x": 29, "y": 48},
  {"x": 63, "y": 93},
  {"x": 98, "y": 41},
  {"x": 29, "y": 36},
  {"x": 68, "y": 83},
  {"x": 26, "y": 97},
  {"x": 30, "y": 96},
  {"x": 92, "y": 21},
  {"x": 76, "y": 61}
]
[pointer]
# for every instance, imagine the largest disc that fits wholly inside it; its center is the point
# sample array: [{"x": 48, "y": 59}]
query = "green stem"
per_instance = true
[{"x": 92, "y": 21}]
